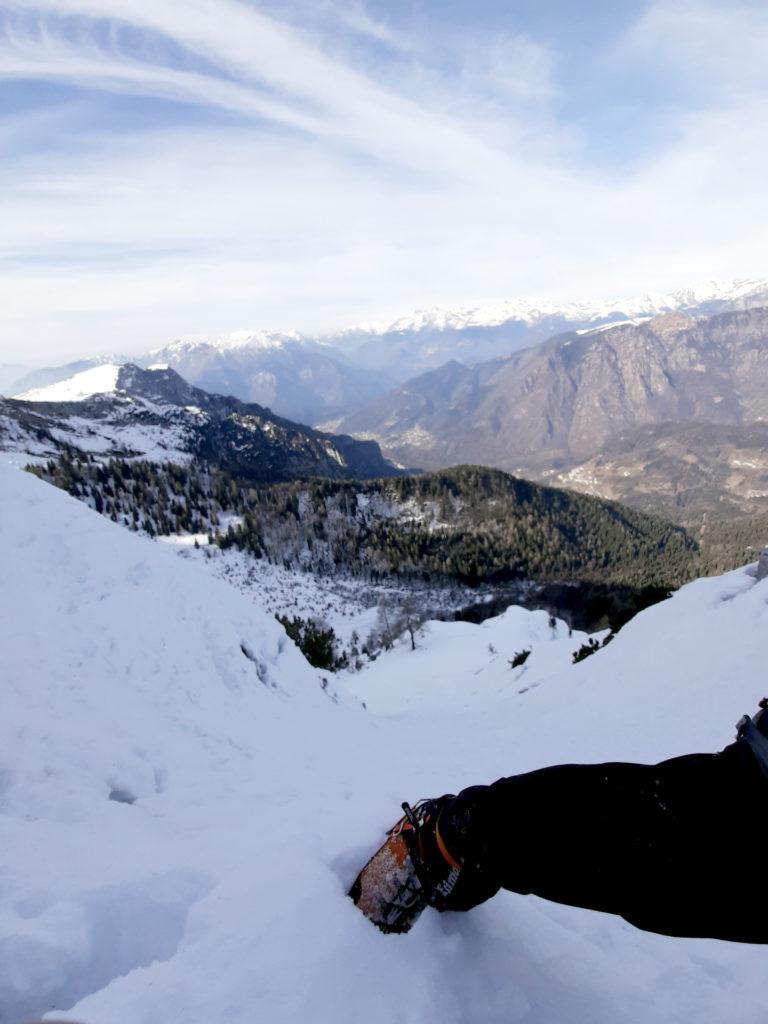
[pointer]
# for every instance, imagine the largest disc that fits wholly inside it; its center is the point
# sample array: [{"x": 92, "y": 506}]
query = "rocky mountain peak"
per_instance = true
[
  {"x": 159, "y": 384},
  {"x": 128, "y": 412}
]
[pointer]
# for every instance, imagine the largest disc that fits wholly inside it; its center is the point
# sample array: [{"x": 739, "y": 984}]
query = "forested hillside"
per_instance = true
[{"x": 469, "y": 523}]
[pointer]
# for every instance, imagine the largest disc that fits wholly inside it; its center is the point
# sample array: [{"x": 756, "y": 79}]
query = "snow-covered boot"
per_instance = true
[
  {"x": 420, "y": 864},
  {"x": 390, "y": 889}
]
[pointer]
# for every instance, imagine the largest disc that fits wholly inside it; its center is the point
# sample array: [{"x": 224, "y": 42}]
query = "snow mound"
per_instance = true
[
  {"x": 99, "y": 380},
  {"x": 184, "y": 801}
]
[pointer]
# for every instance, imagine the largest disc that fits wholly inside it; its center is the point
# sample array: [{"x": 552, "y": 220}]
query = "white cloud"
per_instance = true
[
  {"x": 264, "y": 54},
  {"x": 338, "y": 195},
  {"x": 353, "y": 15},
  {"x": 510, "y": 65},
  {"x": 719, "y": 50},
  {"x": 62, "y": 61}
]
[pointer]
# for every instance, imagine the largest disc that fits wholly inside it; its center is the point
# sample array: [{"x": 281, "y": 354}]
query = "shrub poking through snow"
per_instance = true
[
  {"x": 316, "y": 640},
  {"x": 590, "y": 647},
  {"x": 519, "y": 658}
]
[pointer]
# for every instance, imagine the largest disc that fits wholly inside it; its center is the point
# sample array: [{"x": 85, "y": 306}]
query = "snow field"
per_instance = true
[
  {"x": 169, "y": 442},
  {"x": 457, "y": 665},
  {"x": 180, "y": 819},
  {"x": 99, "y": 380}
]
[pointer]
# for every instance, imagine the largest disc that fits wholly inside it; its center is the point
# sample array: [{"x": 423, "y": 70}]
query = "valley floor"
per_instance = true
[{"x": 346, "y": 603}]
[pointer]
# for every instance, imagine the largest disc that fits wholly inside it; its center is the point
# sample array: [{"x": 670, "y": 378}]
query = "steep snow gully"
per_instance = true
[{"x": 179, "y": 822}]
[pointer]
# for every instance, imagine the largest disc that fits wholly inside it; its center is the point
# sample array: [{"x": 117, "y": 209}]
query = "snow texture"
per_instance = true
[{"x": 184, "y": 802}]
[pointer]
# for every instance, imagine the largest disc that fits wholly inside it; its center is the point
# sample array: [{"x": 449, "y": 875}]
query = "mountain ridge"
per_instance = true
[
  {"x": 156, "y": 414},
  {"x": 314, "y": 378},
  {"x": 553, "y": 406},
  {"x": 532, "y": 309}
]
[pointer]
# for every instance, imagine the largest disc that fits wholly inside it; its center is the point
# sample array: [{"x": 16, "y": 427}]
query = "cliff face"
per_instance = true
[{"x": 560, "y": 403}]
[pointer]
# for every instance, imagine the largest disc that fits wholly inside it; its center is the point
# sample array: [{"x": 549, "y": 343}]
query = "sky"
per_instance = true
[{"x": 194, "y": 167}]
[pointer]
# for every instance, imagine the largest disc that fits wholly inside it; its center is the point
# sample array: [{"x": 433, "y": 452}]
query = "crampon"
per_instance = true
[{"x": 393, "y": 887}]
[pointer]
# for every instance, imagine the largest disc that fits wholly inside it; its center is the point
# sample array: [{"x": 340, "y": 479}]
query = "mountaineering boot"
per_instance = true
[
  {"x": 421, "y": 864},
  {"x": 451, "y": 851},
  {"x": 390, "y": 889}
]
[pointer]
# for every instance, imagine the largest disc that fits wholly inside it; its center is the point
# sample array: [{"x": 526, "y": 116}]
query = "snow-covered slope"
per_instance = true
[
  {"x": 182, "y": 804},
  {"x": 149, "y": 732},
  {"x": 34, "y": 380},
  {"x": 99, "y": 380},
  {"x": 105, "y": 410},
  {"x": 129, "y": 412}
]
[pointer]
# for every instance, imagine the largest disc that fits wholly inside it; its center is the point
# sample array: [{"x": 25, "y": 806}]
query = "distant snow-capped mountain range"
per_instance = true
[
  {"x": 532, "y": 310},
  {"x": 318, "y": 379},
  {"x": 235, "y": 340},
  {"x": 528, "y": 310}
]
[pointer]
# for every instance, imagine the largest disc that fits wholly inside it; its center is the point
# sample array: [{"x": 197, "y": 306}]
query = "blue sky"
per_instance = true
[{"x": 192, "y": 167}]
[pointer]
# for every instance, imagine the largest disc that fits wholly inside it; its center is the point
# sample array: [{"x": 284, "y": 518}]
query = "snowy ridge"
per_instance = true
[
  {"x": 154, "y": 414},
  {"x": 124, "y": 423},
  {"x": 528, "y": 309},
  {"x": 633, "y": 322},
  {"x": 304, "y": 379},
  {"x": 99, "y": 380},
  {"x": 533, "y": 309},
  {"x": 184, "y": 804},
  {"x": 257, "y": 340}
]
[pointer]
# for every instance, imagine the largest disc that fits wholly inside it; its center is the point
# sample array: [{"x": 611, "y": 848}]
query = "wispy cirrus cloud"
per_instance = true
[{"x": 259, "y": 65}]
